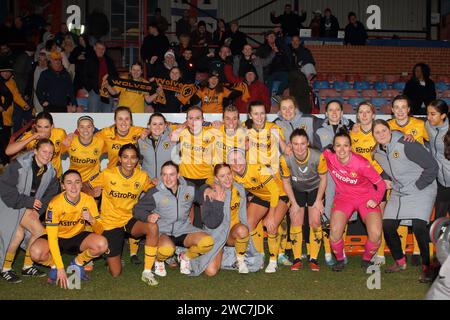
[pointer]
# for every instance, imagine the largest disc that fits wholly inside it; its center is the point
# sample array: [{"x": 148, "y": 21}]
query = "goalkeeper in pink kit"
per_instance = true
[{"x": 360, "y": 188}]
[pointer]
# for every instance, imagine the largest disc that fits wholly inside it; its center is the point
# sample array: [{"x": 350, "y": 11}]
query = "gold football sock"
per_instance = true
[
  {"x": 296, "y": 234},
  {"x": 315, "y": 240}
]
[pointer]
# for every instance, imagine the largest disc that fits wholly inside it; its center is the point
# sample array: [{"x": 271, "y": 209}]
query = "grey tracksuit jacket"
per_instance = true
[
  {"x": 436, "y": 145},
  {"x": 155, "y": 156},
  {"x": 413, "y": 172},
  {"x": 220, "y": 230},
  {"x": 173, "y": 209},
  {"x": 15, "y": 189}
]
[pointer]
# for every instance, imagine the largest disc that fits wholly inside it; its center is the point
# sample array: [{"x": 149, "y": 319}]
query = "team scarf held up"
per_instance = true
[
  {"x": 129, "y": 84},
  {"x": 185, "y": 91}
]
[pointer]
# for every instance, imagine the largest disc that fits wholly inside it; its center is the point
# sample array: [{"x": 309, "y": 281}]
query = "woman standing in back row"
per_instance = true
[{"x": 413, "y": 171}]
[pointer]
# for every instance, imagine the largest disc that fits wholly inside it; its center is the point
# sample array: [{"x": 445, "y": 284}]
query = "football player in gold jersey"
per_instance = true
[
  {"x": 42, "y": 128},
  {"x": 269, "y": 202},
  {"x": 67, "y": 217},
  {"x": 121, "y": 188},
  {"x": 85, "y": 150},
  {"x": 114, "y": 137},
  {"x": 363, "y": 143}
]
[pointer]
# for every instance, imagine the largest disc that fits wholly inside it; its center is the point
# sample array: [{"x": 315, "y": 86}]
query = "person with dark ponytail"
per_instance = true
[
  {"x": 120, "y": 187},
  {"x": 438, "y": 130}
]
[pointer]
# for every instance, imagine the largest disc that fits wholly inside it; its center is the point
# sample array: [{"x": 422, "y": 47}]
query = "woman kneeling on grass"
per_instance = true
[
  {"x": 225, "y": 218},
  {"x": 68, "y": 215},
  {"x": 121, "y": 188},
  {"x": 169, "y": 204}
]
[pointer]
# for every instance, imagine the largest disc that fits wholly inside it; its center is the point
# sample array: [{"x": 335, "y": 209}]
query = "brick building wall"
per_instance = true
[{"x": 379, "y": 60}]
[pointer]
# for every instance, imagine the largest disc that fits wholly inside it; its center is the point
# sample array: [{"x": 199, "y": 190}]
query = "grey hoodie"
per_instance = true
[
  {"x": 437, "y": 148},
  {"x": 300, "y": 120}
]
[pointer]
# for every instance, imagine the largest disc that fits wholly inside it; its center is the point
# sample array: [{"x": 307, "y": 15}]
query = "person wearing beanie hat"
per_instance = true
[{"x": 161, "y": 69}]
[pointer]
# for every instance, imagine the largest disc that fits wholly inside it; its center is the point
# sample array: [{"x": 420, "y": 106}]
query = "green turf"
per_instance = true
[{"x": 285, "y": 284}]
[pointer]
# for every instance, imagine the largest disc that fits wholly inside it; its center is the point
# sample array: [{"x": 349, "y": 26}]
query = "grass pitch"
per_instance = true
[{"x": 285, "y": 284}]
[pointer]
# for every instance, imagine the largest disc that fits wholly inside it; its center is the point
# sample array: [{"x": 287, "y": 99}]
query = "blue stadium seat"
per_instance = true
[
  {"x": 355, "y": 101},
  {"x": 341, "y": 85},
  {"x": 321, "y": 85},
  {"x": 398, "y": 86},
  {"x": 378, "y": 102},
  {"x": 447, "y": 100},
  {"x": 441, "y": 86},
  {"x": 361, "y": 85},
  {"x": 380, "y": 85}
]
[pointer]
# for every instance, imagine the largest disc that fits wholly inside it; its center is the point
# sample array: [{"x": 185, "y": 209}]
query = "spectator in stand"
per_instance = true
[
  {"x": 155, "y": 45},
  {"x": 23, "y": 66},
  {"x": 300, "y": 56},
  {"x": 218, "y": 62},
  {"x": 247, "y": 58},
  {"x": 41, "y": 46},
  {"x": 302, "y": 72},
  {"x": 78, "y": 57},
  {"x": 201, "y": 36},
  {"x": 235, "y": 39},
  {"x": 314, "y": 25},
  {"x": 135, "y": 100},
  {"x": 355, "y": 33},
  {"x": 257, "y": 89},
  {"x": 291, "y": 22},
  {"x": 220, "y": 33},
  {"x": 184, "y": 42},
  {"x": 170, "y": 103},
  {"x": 161, "y": 69},
  {"x": 23, "y": 71},
  {"x": 50, "y": 46},
  {"x": 201, "y": 39},
  {"x": 41, "y": 65},
  {"x": 329, "y": 25},
  {"x": 278, "y": 69},
  {"x": 67, "y": 47},
  {"x": 63, "y": 32},
  {"x": 420, "y": 89},
  {"x": 160, "y": 22},
  {"x": 97, "y": 66},
  {"x": 55, "y": 88},
  {"x": 9, "y": 95},
  {"x": 188, "y": 66},
  {"x": 182, "y": 25}
]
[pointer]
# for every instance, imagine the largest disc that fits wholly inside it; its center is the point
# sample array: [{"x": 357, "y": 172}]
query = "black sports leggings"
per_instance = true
[
  {"x": 442, "y": 204},
  {"x": 420, "y": 230}
]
